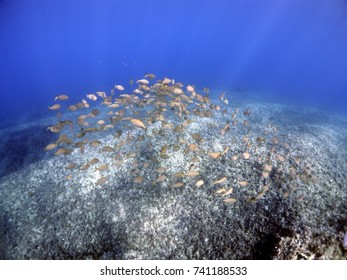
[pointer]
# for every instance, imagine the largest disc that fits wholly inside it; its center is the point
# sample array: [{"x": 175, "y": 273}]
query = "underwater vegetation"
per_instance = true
[
  {"x": 167, "y": 134},
  {"x": 161, "y": 170},
  {"x": 17, "y": 148}
]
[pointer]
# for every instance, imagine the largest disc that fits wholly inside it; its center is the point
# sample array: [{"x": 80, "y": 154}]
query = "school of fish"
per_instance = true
[{"x": 167, "y": 110}]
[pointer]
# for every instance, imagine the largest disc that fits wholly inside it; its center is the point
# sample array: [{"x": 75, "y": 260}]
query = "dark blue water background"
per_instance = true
[{"x": 285, "y": 51}]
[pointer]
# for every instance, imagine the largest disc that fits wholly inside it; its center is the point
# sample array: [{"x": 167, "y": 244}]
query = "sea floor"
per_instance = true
[{"x": 50, "y": 212}]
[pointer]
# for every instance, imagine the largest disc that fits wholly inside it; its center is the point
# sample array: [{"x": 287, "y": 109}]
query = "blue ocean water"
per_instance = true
[
  {"x": 282, "y": 51},
  {"x": 163, "y": 176}
]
